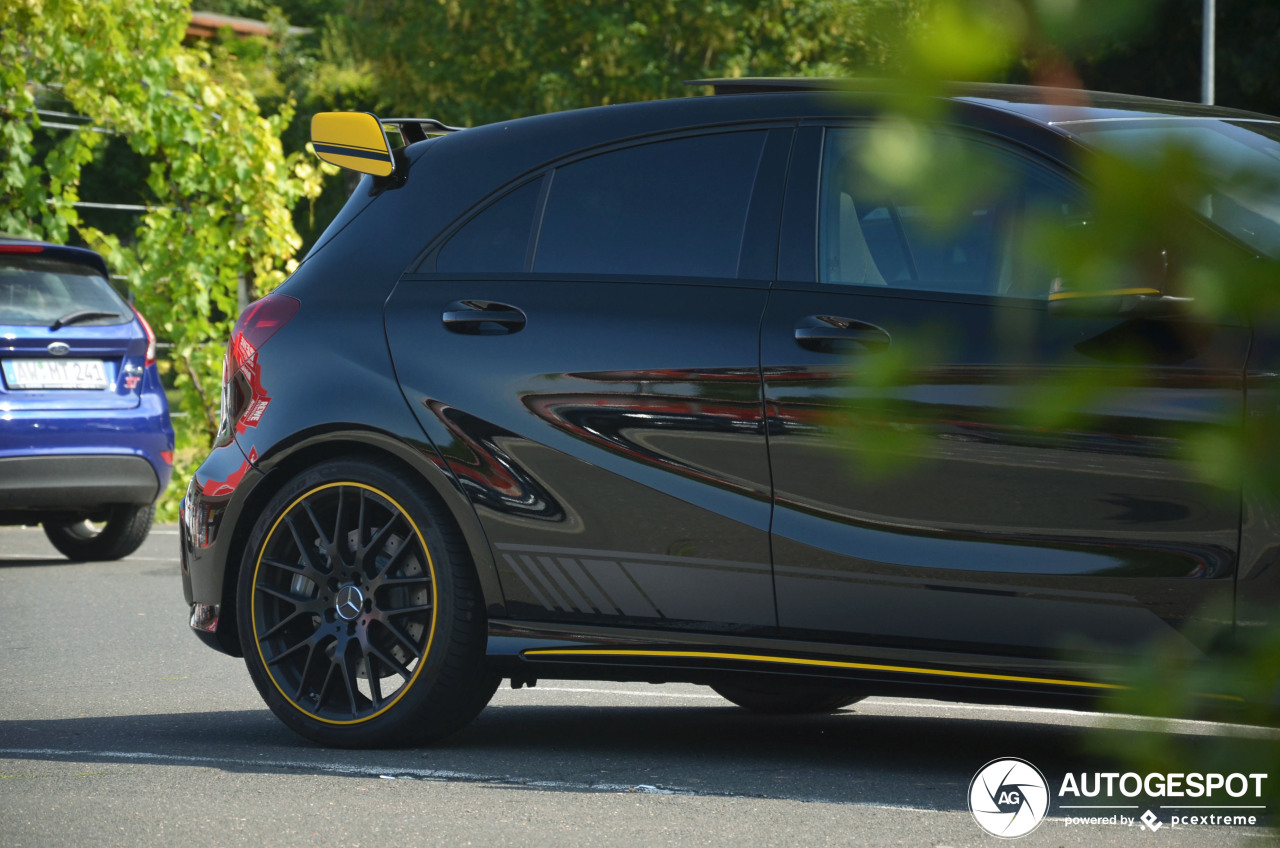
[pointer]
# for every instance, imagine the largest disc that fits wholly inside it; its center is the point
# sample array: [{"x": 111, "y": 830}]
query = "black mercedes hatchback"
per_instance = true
[{"x": 574, "y": 396}]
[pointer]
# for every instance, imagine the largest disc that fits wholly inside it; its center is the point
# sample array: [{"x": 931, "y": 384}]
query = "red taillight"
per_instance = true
[
  {"x": 167, "y": 456},
  {"x": 260, "y": 320},
  {"x": 151, "y": 338},
  {"x": 21, "y": 248},
  {"x": 244, "y": 399}
]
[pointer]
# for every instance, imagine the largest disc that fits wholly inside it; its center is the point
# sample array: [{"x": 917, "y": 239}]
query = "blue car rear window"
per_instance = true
[{"x": 37, "y": 291}]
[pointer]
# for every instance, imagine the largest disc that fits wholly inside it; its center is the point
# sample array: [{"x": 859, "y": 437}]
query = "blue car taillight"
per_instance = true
[{"x": 151, "y": 338}]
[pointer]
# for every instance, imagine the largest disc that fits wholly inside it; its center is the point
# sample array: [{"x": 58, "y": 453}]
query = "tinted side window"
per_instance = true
[
  {"x": 670, "y": 208},
  {"x": 496, "y": 240},
  {"x": 871, "y": 234}
]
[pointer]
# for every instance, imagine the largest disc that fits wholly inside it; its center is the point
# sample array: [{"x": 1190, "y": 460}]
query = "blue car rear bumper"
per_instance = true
[{"x": 77, "y": 461}]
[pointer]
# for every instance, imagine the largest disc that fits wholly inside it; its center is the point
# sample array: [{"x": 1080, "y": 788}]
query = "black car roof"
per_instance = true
[
  {"x": 1048, "y": 106},
  {"x": 543, "y": 137},
  {"x": 461, "y": 170},
  {"x": 546, "y": 136}
]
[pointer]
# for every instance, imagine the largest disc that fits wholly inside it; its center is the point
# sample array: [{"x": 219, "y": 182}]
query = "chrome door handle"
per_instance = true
[
  {"x": 834, "y": 334},
  {"x": 482, "y": 318}
]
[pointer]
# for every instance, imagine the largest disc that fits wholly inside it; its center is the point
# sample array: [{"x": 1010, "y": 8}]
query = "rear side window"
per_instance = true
[
  {"x": 870, "y": 235},
  {"x": 496, "y": 240},
  {"x": 37, "y": 291},
  {"x": 669, "y": 208}
]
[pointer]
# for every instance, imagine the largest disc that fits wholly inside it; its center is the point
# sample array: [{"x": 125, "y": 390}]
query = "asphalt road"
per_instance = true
[{"x": 118, "y": 728}]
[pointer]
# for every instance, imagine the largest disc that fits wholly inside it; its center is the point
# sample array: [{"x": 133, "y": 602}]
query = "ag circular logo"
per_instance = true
[{"x": 1008, "y": 798}]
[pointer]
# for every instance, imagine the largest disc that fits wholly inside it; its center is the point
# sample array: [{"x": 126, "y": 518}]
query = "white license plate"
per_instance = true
[{"x": 55, "y": 374}]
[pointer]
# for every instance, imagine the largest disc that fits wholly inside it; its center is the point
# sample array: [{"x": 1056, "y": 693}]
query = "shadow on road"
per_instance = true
[
  {"x": 28, "y": 563},
  {"x": 708, "y": 750}
]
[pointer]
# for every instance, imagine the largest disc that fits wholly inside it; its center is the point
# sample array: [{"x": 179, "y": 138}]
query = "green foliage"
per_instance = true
[
  {"x": 219, "y": 188},
  {"x": 1135, "y": 232},
  {"x": 883, "y": 435},
  {"x": 472, "y": 62},
  {"x": 1238, "y": 686}
]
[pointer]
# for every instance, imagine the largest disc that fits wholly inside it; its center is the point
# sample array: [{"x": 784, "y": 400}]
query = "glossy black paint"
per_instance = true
[
  {"x": 665, "y": 464},
  {"x": 637, "y": 489},
  {"x": 995, "y": 535},
  {"x": 990, "y": 533},
  {"x": 352, "y": 404}
]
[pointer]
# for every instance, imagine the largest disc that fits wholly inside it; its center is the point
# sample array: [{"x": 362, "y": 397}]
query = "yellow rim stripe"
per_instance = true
[
  {"x": 973, "y": 675},
  {"x": 434, "y": 606},
  {"x": 1071, "y": 295}
]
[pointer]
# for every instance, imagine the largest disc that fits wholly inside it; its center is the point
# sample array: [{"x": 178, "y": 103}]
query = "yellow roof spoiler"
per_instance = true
[{"x": 358, "y": 140}]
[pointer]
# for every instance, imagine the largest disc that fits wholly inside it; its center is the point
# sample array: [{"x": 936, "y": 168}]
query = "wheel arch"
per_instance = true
[{"x": 283, "y": 464}]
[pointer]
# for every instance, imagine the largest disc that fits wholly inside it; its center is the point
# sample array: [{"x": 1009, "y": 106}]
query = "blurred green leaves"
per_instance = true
[
  {"x": 1143, "y": 225},
  {"x": 974, "y": 40},
  {"x": 880, "y": 424}
]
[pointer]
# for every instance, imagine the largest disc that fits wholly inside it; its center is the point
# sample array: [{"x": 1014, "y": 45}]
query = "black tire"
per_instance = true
[
  {"x": 786, "y": 698},
  {"x": 124, "y": 531},
  {"x": 361, "y": 592}
]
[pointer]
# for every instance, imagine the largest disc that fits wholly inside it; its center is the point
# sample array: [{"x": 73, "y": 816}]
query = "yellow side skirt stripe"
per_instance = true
[{"x": 938, "y": 672}]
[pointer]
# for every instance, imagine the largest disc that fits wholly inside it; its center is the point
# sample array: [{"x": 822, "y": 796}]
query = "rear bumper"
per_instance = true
[
  {"x": 76, "y": 482},
  {"x": 215, "y": 496},
  {"x": 80, "y": 460}
]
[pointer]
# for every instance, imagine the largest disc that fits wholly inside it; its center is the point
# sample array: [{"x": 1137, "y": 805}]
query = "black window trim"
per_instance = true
[
  {"x": 425, "y": 267},
  {"x": 427, "y": 264},
  {"x": 535, "y": 227}
]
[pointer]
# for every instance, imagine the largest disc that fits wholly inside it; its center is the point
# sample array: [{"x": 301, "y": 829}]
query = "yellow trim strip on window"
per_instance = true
[{"x": 1072, "y": 295}]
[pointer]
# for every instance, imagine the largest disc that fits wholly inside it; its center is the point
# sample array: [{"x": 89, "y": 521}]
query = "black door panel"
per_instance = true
[
  {"x": 931, "y": 490},
  {"x": 620, "y": 473},
  {"x": 987, "y": 531}
]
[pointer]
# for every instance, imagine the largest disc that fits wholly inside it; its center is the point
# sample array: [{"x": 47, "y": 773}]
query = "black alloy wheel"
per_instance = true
[{"x": 359, "y": 610}]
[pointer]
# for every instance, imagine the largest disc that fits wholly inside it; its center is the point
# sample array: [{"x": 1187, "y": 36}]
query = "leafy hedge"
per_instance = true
[{"x": 221, "y": 189}]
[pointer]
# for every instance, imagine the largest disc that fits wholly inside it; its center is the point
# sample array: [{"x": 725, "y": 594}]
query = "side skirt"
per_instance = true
[{"x": 526, "y": 652}]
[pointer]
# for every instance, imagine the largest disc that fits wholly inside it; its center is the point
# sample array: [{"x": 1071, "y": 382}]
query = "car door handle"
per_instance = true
[
  {"x": 833, "y": 334},
  {"x": 482, "y": 318}
]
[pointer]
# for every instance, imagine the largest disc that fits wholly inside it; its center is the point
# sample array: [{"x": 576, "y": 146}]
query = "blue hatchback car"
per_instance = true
[{"x": 86, "y": 445}]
